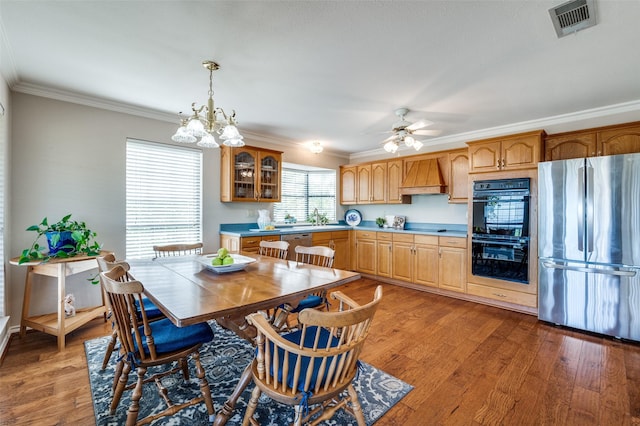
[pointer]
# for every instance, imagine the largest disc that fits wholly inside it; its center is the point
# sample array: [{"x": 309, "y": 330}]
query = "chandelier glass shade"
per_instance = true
[{"x": 207, "y": 121}]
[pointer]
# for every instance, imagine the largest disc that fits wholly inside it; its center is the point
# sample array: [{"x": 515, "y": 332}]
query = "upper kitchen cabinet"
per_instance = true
[
  {"x": 348, "y": 188},
  {"x": 623, "y": 139},
  {"x": 250, "y": 174},
  {"x": 372, "y": 183},
  {"x": 458, "y": 176},
  {"x": 516, "y": 152},
  {"x": 610, "y": 140},
  {"x": 570, "y": 145}
]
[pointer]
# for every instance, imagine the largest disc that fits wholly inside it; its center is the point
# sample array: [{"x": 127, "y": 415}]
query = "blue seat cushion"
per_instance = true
[
  {"x": 168, "y": 338},
  {"x": 152, "y": 310},
  {"x": 311, "y": 301},
  {"x": 294, "y": 337}
]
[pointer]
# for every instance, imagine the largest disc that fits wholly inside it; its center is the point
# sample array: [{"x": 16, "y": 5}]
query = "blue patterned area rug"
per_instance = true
[{"x": 224, "y": 361}]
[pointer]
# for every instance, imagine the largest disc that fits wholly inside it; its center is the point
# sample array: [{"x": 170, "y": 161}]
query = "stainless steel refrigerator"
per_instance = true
[{"x": 589, "y": 244}]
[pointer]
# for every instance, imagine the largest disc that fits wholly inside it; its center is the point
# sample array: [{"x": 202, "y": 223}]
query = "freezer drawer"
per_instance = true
[{"x": 601, "y": 299}]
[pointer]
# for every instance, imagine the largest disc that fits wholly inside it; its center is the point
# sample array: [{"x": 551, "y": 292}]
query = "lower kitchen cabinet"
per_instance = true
[
  {"x": 452, "y": 268},
  {"x": 384, "y": 251},
  {"x": 339, "y": 242},
  {"x": 402, "y": 262},
  {"x": 426, "y": 262},
  {"x": 251, "y": 244},
  {"x": 366, "y": 252}
]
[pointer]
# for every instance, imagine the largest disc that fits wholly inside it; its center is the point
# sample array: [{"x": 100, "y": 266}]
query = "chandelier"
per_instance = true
[
  {"x": 392, "y": 145},
  {"x": 209, "y": 120}
]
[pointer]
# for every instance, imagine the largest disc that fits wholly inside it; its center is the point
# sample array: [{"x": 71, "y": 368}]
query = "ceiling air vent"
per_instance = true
[{"x": 573, "y": 16}]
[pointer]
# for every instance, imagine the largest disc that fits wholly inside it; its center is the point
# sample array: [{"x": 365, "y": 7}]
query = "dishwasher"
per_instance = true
[{"x": 295, "y": 240}]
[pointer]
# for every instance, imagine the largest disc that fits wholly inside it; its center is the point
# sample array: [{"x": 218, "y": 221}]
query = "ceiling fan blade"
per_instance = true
[
  {"x": 390, "y": 138},
  {"x": 419, "y": 124},
  {"x": 427, "y": 132}
]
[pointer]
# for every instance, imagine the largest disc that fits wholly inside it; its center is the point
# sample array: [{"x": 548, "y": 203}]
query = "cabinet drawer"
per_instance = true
[
  {"x": 250, "y": 242},
  {"x": 340, "y": 235},
  {"x": 365, "y": 235},
  {"x": 384, "y": 236},
  {"x": 426, "y": 239},
  {"x": 453, "y": 242},
  {"x": 503, "y": 295},
  {"x": 320, "y": 237},
  {"x": 404, "y": 238}
]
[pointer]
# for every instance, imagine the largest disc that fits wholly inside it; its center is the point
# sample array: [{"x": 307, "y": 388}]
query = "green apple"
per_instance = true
[
  {"x": 216, "y": 261},
  {"x": 227, "y": 260},
  {"x": 222, "y": 252}
]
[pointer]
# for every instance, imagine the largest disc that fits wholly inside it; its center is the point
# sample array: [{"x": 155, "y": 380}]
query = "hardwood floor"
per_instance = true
[{"x": 469, "y": 363}]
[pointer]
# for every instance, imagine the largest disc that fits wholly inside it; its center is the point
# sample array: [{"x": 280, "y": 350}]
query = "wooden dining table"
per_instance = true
[{"x": 189, "y": 291}]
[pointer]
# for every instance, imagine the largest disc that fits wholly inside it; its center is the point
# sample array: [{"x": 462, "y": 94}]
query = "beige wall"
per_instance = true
[
  {"x": 68, "y": 158},
  {"x": 5, "y": 131}
]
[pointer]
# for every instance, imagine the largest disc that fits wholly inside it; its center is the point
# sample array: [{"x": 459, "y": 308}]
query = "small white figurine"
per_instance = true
[{"x": 69, "y": 309}]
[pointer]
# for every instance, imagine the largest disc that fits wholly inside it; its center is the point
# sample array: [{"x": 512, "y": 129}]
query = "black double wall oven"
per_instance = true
[{"x": 500, "y": 233}]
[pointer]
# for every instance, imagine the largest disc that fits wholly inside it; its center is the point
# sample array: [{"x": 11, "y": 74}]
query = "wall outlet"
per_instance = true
[{"x": 251, "y": 213}]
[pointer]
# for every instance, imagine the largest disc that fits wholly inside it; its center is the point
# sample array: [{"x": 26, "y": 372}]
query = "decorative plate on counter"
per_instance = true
[{"x": 353, "y": 217}]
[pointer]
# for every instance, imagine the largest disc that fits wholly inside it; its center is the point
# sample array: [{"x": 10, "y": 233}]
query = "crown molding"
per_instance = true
[
  {"x": 286, "y": 143},
  {"x": 595, "y": 117},
  {"x": 91, "y": 101}
]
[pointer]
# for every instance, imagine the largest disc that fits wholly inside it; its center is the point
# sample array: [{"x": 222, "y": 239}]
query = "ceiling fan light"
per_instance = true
[
  {"x": 208, "y": 141},
  {"x": 391, "y": 147},
  {"x": 408, "y": 141},
  {"x": 417, "y": 145}
]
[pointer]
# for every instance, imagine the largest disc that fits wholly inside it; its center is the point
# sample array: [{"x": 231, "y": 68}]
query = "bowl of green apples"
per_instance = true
[{"x": 223, "y": 261}]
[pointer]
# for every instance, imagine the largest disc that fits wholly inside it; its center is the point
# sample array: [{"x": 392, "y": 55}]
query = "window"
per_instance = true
[
  {"x": 164, "y": 196},
  {"x": 305, "y": 189}
]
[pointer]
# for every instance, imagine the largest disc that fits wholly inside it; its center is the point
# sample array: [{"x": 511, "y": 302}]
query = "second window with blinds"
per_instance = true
[{"x": 304, "y": 190}]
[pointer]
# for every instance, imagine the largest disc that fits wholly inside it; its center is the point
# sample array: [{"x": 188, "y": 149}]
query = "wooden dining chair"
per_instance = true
[
  {"x": 314, "y": 255},
  {"x": 106, "y": 263},
  {"x": 277, "y": 249},
  {"x": 315, "y": 364},
  {"x": 144, "y": 344},
  {"x": 177, "y": 249}
]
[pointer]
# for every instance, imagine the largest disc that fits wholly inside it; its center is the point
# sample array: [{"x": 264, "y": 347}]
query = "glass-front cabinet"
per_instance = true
[{"x": 250, "y": 174}]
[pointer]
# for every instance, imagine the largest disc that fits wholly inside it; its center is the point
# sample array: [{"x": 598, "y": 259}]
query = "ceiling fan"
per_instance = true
[{"x": 404, "y": 131}]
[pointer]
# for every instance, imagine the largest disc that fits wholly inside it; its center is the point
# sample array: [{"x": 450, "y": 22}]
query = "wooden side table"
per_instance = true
[{"x": 56, "y": 323}]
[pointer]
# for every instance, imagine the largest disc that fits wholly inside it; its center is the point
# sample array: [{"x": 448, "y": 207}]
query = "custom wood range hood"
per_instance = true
[{"x": 423, "y": 177}]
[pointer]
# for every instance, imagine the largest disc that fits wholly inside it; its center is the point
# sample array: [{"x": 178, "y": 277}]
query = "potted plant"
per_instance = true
[
  {"x": 380, "y": 221},
  {"x": 65, "y": 238}
]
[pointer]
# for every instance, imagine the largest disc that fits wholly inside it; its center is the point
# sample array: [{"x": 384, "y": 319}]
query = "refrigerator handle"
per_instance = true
[
  {"x": 581, "y": 209},
  {"x": 589, "y": 206},
  {"x": 553, "y": 265}
]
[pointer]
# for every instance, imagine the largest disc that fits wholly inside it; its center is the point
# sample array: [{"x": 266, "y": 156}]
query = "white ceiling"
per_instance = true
[{"x": 333, "y": 70}]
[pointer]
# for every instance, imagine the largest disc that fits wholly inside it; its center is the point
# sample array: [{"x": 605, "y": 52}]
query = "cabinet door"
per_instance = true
[
  {"x": 379, "y": 183},
  {"x": 520, "y": 152},
  {"x": 341, "y": 257},
  {"x": 624, "y": 140},
  {"x": 384, "y": 259},
  {"x": 394, "y": 181},
  {"x": 484, "y": 157},
  {"x": 426, "y": 265},
  {"x": 458, "y": 176},
  {"x": 348, "y": 185},
  {"x": 402, "y": 261},
  {"x": 268, "y": 177},
  {"x": 452, "y": 269},
  {"x": 366, "y": 256},
  {"x": 564, "y": 147},
  {"x": 230, "y": 242},
  {"x": 364, "y": 184},
  {"x": 244, "y": 174}
]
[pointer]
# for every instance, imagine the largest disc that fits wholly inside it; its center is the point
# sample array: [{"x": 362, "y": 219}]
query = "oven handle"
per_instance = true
[
  {"x": 553, "y": 265},
  {"x": 502, "y": 243}
]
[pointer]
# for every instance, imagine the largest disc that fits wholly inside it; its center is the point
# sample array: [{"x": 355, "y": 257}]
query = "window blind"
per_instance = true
[
  {"x": 305, "y": 190},
  {"x": 164, "y": 196}
]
